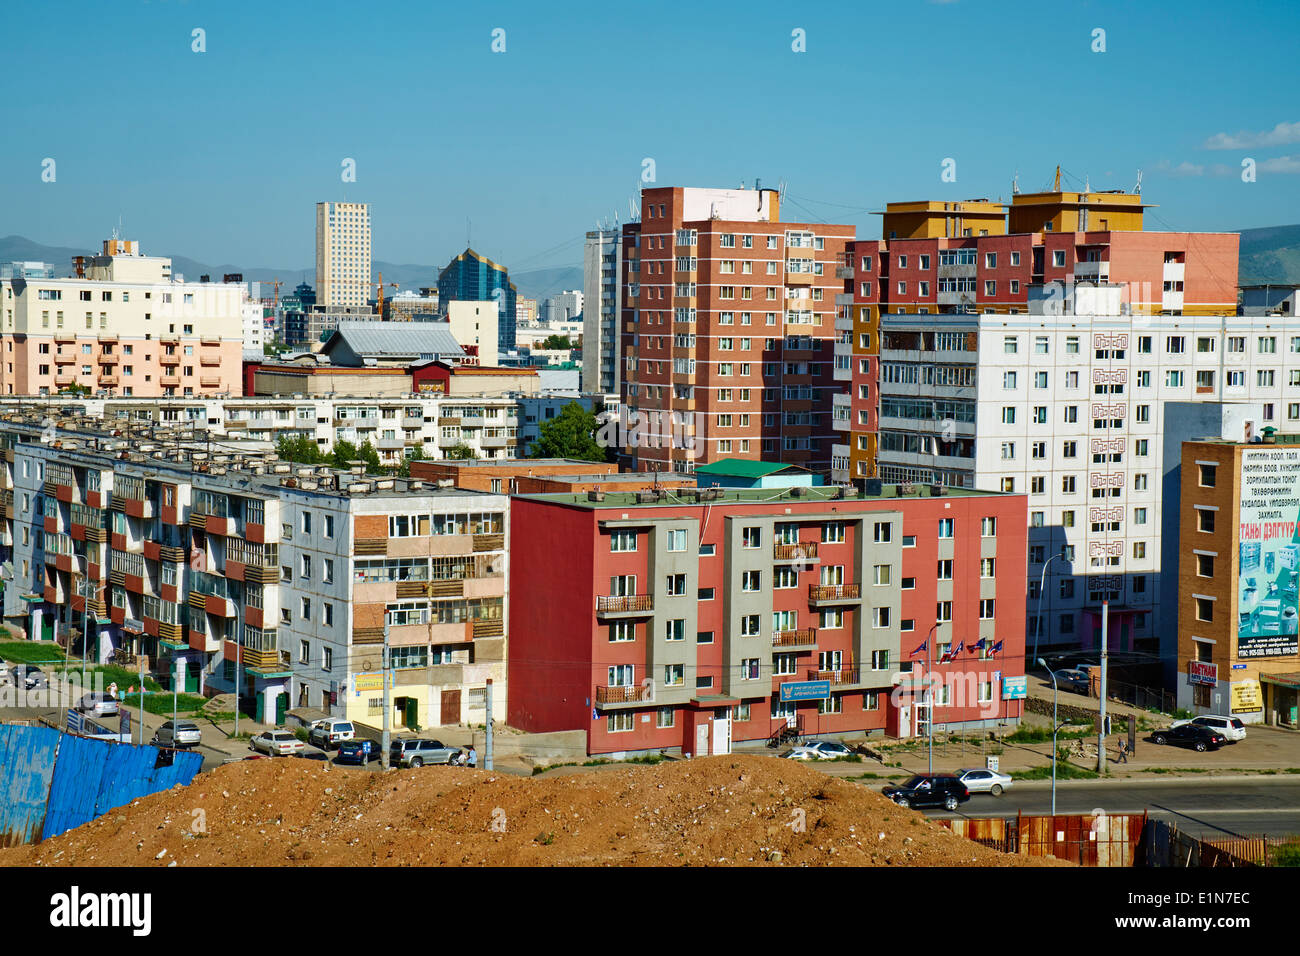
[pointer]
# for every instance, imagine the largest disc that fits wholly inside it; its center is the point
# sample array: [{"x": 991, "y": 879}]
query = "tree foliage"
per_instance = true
[
  {"x": 570, "y": 434},
  {"x": 555, "y": 342},
  {"x": 461, "y": 452}
]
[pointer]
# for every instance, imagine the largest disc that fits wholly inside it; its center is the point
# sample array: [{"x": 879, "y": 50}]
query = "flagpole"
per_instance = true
[{"x": 929, "y": 692}]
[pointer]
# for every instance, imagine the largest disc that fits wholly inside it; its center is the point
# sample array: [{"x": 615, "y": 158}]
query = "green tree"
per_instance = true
[
  {"x": 555, "y": 342},
  {"x": 404, "y": 469},
  {"x": 461, "y": 452},
  {"x": 299, "y": 448},
  {"x": 570, "y": 434},
  {"x": 345, "y": 451}
]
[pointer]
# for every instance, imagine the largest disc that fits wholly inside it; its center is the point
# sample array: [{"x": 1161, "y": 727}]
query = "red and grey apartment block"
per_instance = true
[{"x": 672, "y": 619}]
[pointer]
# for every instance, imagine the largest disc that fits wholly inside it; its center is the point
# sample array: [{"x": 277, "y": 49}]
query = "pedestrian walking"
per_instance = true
[
  {"x": 1123, "y": 751},
  {"x": 472, "y": 757},
  {"x": 112, "y": 690}
]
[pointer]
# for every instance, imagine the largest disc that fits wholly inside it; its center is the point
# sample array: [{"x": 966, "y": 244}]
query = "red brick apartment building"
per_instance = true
[
  {"x": 983, "y": 256},
  {"x": 671, "y": 620},
  {"x": 728, "y": 318}
]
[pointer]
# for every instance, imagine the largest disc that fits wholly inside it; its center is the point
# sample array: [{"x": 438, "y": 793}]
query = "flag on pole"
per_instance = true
[
  {"x": 995, "y": 648},
  {"x": 961, "y": 646},
  {"x": 979, "y": 645},
  {"x": 919, "y": 650}
]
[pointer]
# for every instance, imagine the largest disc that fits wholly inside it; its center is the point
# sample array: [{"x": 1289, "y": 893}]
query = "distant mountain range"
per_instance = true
[{"x": 1270, "y": 254}]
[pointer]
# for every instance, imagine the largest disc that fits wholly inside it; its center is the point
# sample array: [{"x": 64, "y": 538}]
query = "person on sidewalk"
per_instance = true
[
  {"x": 1123, "y": 752},
  {"x": 471, "y": 759}
]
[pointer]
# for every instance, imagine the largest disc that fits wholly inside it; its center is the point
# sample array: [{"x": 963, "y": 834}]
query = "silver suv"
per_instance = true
[
  {"x": 417, "y": 753},
  {"x": 177, "y": 733}
]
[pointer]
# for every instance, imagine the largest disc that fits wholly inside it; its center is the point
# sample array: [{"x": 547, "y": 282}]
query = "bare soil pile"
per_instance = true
[{"x": 716, "y": 810}]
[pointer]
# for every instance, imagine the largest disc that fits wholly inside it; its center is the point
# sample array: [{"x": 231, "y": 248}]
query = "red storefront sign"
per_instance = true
[{"x": 1202, "y": 672}]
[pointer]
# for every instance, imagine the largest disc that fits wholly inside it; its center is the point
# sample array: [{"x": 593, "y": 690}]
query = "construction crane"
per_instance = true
[
  {"x": 379, "y": 296},
  {"x": 275, "y": 301}
]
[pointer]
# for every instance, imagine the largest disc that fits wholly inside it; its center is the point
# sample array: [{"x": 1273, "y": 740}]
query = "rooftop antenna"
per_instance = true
[
  {"x": 1087, "y": 183},
  {"x": 1138, "y": 188},
  {"x": 468, "y": 243},
  {"x": 1015, "y": 184},
  {"x": 1056, "y": 183}
]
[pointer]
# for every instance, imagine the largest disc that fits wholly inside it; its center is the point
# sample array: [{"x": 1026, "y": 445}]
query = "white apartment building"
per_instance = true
[
  {"x": 434, "y": 424},
  {"x": 475, "y": 323},
  {"x": 564, "y": 307},
  {"x": 1070, "y": 409},
  {"x": 343, "y": 254},
  {"x": 602, "y": 277},
  {"x": 254, "y": 326}
]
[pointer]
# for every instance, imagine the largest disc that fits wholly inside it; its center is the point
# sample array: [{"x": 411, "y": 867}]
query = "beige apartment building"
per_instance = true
[
  {"x": 121, "y": 325},
  {"x": 343, "y": 254}
]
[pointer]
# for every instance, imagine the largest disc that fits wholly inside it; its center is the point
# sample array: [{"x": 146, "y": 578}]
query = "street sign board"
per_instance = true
[
  {"x": 805, "y": 690},
  {"x": 76, "y": 723},
  {"x": 1015, "y": 688}
]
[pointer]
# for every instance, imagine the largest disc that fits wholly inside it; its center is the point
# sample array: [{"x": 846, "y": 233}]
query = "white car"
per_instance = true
[
  {"x": 330, "y": 732},
  {"x": 98, "y": 704},
  {"x": 277, "y": 743},
  {"x": 985, "y": 781},
  {"x": 821, "y": 750},
  {"x": 1230, "y": 727}
]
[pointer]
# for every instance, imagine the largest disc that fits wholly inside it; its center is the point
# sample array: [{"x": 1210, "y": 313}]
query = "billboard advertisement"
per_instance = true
[{"x": 1268, "y": 596}]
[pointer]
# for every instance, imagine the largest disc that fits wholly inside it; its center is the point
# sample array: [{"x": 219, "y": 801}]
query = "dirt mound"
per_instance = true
[{"x": 715, "y": 810}]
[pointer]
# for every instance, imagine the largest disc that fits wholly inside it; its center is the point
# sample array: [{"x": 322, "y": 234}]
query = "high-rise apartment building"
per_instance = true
[
  {"x": 1042, "y": 362},
  {"x": 343, "y": 254},
  {"x": 728, "y": 328},
  {"x": 602, "y": 281},
  {"x": 472, "y": 277},
  {"x": 121, "y": 325}
]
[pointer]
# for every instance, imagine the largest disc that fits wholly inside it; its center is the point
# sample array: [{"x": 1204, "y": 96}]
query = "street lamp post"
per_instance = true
[
  {"x": 1055, "y": 726},
  {"x": 929, "y": 693},
  {"x": 1042, "y": 586}
]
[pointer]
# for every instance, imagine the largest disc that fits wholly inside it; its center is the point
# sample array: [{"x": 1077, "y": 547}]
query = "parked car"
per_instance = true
[
  {"x": 985, "y": 781},
  {"x": 330, "y": 732},
  {"x": 5, "y": 674},
  {"x": 358, "y": 750},
  {"x": 940, "y": 790},
  {"x": 1230, "y": 727},
  {"x": 31, "y": 676},
  {"x": 1191, "y": 735},
  {"x": 416, "y": 753},
  {"x": 177, "y": 733},
  {"x": 821, "y": 750},
  {"x": 277, "y": 743},
  {"x": 1075, "y": 680},
  {"x": 98, "y": 704}
]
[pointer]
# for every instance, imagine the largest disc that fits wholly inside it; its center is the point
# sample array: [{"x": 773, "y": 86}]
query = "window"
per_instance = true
[
  {"x": 1139, "y": 515},
  {"x": 880, "y": 660},
  {"x": 329, "y": 526},
  {"x": 675, "y": 585},
  {"x": 883, "y": 531},
  {"x": 1204, "y": 520},
  {"x": 1010, "y": 344},
  {"x": 1139, "y": 549},
  {"x": 986, "y": 609},
  {"x": 1205, "y": 565},
  {"x": 1174, "y": 344},
  {"x": 1067, "y": 484},
  {"x": 1142, "y": 414},
  {"x": 944, "y": 569},
  {"x": 1208, "y": 475},
  {"x": 1204, "y": 609},
  {"x": 1038, "y": 485},
  {"x": 674, "y": 675},
  {"x": 751, "y": 537},
  {"x": 751, "y": 581},
  {"x": 1008, "y": 380},
  {"x": 882, "y": 574},
  {"x": 1139, "y": 483},
  {"x": 677, "y": 539},
  {"x": 306, "y": 566},
  {"x": 1071, "y": 414},
  {"x": 749, "y": 668},
  {"x": 1268, "y": 344},
  {"x": 832, "y": 619},
  {"x": 665, "y": 717},
  {"x": 622, "y": 541},
  {"x": 1264, "y": 378},
  {"x": 1174, "y": 379},
  {"x": 305, "y": 524},
  {"x": 749, "y": 626},
  {"x": 620, "y": 722},
  {"x": 945, "y": 527},
  {"x": 306, "y": 609},
  {"x": 622, "y": 632},
  {"x": 1008, "y": 450},
  {"x": 833, "y": 532},
  {"x": 1008, "y": 415},
  {"x": 943, "y": 612},
  {"x": 1058, "y": 257}
]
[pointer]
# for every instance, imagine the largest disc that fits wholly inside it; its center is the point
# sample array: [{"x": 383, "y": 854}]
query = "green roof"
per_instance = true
[
  {"x": 627, "y": 500},
  {"x": 745, "y": 468}
]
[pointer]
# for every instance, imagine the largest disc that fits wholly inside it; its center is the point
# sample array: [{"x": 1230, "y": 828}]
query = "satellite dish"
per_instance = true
[{"x": 368, "y": 664}]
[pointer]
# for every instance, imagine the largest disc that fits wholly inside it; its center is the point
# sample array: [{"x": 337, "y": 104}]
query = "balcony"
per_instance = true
[
  {"x": 209, "y": 340},
  {"x": 488, "y": 628},
  {"x": 826, "y": 595},
  {"x": 613, "y": 606},
  {"x": 390, "y": 444},
  {"x": 1092, "y": 271},
  {"x": 169, "y": 340},
  {"x": 109, "y": 359},
  {"x": 844, "y": 272},
  {"x": 108, "y": 378},
  {"x": 493, "y": 441},
  {"x": 613, "y": 696},
  {"x": 489, "y": 542},
  {"x": 800, "y": 551},
  {"x": 838, "y": 677},
  {"x": 65, "y": 378},
  {"x": 209, "y": 381},
  {"x": 170, "y": 381},
  {"x": 169, "y": 361},
  {"x": 209, "y": 359},
  {"x": 803, "y": 639},
  {"x": 370, "y": 546},
  {"x": 412, "y": 421},
  {"x": 65, "y": 337},
  {"x": 62, "y": 359}
]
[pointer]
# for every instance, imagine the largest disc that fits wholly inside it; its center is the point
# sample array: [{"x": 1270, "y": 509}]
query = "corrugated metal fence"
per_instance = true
[
  {"x": 1101, "y": 840},
  {"x": 51, "y": 782}
]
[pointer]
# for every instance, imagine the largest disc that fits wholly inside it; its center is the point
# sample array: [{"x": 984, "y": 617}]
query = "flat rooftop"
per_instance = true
[{"x": 752, "y": 496}]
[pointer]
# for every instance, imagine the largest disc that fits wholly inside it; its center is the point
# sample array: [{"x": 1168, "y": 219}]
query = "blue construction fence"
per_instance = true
[{"x": 52, "y": 782}]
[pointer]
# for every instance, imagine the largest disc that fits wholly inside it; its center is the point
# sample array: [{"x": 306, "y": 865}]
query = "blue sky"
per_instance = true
[{"x": 221, "y": 155}]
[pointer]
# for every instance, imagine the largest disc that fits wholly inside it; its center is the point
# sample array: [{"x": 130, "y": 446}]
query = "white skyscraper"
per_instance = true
[{"x": 343, "y": 254}]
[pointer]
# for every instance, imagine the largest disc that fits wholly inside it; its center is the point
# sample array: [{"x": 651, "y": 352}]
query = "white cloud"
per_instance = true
[
  {"x": 1280, "y": 164},
  {"x": 1279, "y": 135},
  {"x": 1182, "y": 169}
]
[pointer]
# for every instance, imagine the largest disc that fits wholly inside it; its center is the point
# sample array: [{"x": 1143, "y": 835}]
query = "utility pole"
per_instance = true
[
  {"x": 487, "y": 743},
  {"x": 238, "y": 645},
  {"x": 139, "y": 658},
  {"x": 385, "y": 739},
  {"x": 1101, "y": 723}
]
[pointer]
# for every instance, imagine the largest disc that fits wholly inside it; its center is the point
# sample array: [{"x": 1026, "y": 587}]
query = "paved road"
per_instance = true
[{"x": 1248, "y": 806}]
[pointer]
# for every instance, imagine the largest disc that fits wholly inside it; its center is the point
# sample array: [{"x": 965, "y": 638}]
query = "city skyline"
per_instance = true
[{"x": 250, "y": 195}]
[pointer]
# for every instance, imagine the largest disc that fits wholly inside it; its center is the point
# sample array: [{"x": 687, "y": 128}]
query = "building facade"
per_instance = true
[
  {"x": 602, "y": 285},
  {"x": 687, "y": 611},
  {"x": 343, "y": 255},
  {"x": 728, "y": 329},
  {"x": 121, "y": 326},
  {"x": 476, "y": 278}
]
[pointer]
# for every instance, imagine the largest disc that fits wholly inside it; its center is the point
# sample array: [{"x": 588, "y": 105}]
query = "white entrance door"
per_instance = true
[
  {"x": 722, "y": 735},
  {"x": 905, "y": 720},
  {"x": 702, "y": 740}
]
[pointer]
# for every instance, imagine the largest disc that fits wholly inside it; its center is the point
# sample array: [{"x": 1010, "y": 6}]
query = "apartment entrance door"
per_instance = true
[
  {"x": 451, "y": 707},
  {"x": 722, "y": 734}
]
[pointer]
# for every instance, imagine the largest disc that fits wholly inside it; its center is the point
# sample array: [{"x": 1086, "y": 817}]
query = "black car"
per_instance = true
[
  {"x": 1195, "y": 736},
  {"x": 929, "y": 791},
  {"x": 359, "y": 751}
]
